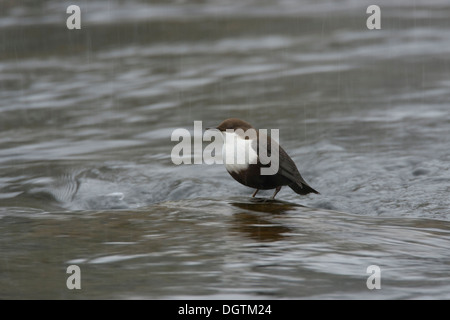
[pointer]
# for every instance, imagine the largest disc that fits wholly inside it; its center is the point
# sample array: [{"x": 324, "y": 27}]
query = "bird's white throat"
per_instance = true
[{"x": 238, "y": 153}]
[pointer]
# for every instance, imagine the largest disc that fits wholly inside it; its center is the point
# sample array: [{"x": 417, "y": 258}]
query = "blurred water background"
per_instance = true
[{"x": 86, "y": 176}]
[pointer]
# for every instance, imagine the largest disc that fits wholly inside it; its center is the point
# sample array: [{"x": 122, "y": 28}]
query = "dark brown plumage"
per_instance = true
[{"x": 250, "y": 174}]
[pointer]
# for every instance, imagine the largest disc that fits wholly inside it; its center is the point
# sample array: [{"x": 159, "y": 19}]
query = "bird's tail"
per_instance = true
[{"x": 302, "y": 188}]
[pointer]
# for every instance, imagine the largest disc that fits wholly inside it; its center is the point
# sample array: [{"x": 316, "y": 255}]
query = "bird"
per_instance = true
[{"x": 248, "y": 172}]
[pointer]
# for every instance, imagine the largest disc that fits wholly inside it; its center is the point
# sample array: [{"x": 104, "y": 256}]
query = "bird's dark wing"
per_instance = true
[{"x": 287, "y": 167}]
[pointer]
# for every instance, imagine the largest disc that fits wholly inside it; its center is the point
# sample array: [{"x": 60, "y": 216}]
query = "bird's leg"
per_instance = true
[
  {"x": 276, "y": 191},
  {"x": 254, "y": 193}
]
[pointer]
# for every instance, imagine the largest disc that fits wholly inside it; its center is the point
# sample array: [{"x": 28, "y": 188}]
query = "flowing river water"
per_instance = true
[{"x": 86, "y": 176}]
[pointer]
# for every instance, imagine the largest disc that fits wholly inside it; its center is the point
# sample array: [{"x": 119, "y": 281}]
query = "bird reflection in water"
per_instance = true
[{"x": 261, "y": 227}]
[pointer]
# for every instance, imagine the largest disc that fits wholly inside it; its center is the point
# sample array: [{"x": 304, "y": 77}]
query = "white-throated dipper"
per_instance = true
[{"x": 240, "y": 138}]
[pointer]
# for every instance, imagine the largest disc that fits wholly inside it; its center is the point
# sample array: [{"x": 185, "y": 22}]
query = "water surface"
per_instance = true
[{"x": 86, "y": 176}]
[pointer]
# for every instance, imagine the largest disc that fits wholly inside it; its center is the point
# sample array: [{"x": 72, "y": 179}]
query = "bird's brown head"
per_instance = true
[{"x": 234, "y": 124}]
